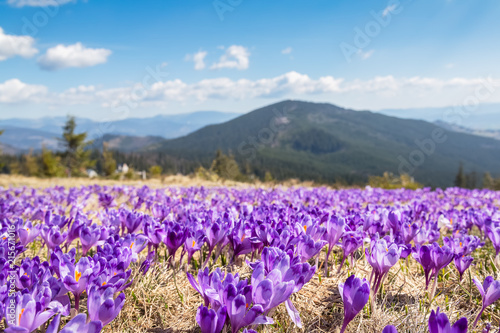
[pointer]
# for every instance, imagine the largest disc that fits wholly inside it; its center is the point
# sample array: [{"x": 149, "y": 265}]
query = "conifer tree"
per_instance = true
[
  {"x": 460, "y": 180},
  {"x": 75, "y": 155}
]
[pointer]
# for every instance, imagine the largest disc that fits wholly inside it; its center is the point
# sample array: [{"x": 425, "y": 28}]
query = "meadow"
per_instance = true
[{"x": 183, "y": 255}]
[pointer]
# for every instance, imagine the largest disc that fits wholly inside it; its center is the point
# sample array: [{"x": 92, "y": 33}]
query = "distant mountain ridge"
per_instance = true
[
  {"x": 23, "y": 134},
  {"x": 324, "y": 142},
  {"x": 494, "y": 134},
  {"x": 483, "y": 117}
]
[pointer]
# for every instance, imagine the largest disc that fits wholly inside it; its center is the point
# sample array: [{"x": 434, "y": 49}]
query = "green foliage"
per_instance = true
[
  {"x": 268, "y": 178},
  {"x": 390, "y": 181},
  {"x": 315, "y": 141},
  {"x": 226, "y": 167},
  {"x": 15, "y": 167},
  {"x": 155, "y": 171},
  {"x": 75, "y": 156},
  {"x": 30, "y": 165},
  {"x": 130, "y": 174},
  {"x": 460, "y": 180},
  {"x": 205, "y": 174},
  {"x": 108, "y": 162},
  {"x": 50, "y": 164},
  {"x": 488, "y": 181}
]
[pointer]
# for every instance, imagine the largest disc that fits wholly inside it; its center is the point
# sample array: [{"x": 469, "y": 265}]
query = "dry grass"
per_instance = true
[{"x": 172, "y": 180}]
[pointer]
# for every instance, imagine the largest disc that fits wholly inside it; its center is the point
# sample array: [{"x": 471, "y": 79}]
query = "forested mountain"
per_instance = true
[{"x": 327, "y": 143}]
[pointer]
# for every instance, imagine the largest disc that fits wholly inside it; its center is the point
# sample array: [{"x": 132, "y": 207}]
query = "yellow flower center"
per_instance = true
[
  {"x": 78, "y": 275},
  {"x": 243, "y": 237},
  {"x": 193, "y": 244},
  {"x": 305, "y": 228},
  {"x": 131, "y": 245},
  {"x": 22, "y": 311}
]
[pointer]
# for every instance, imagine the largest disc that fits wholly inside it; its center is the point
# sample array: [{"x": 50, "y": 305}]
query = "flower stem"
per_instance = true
[
  {"x": 478, "y": 316},
  {"x": 77, "y": 302},
  {"x": 344, "y": 326}
]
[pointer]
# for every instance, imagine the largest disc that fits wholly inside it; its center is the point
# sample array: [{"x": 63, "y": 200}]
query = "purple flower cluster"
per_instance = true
[{"x": 93, "y": 237}]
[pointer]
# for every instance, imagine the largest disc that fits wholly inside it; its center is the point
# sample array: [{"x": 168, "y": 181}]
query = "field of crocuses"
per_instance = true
[{"x": 136, "y": 259}]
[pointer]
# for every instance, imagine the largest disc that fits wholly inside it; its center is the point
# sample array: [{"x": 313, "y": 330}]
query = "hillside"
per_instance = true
[
  {"x": 23, "y": 134},
  {"x": 324, "y": 142}
]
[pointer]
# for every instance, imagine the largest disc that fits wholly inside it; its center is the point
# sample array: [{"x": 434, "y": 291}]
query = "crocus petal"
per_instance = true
[
  {"x": 390, "y": 329},
  {"x": 293, "y": 313},
  {"x": 460, "y": 326}
]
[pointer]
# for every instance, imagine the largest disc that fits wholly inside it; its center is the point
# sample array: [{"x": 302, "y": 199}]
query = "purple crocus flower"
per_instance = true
[
  {"x": 176, "y": 235},
  {"x": 211, "y": 321},
  {"x": 76, "y": 277},
  {"x": 381, "y": 257},
  {"x": 133, "y": 221},
  {"x": 89, "y": 236},
  {"x": 408, "y": 232},
  {"x": 101, "y": 305},
  {"x": 355, "y": 293},
  {"x": 240, "y": 239},
  {"x": 155, "y": 232},
  {"x": 53, "y": 236},
  {"x": 106, "y": 200},
  {"x": 205, "y": 284},
  {"x": 490, "y": 293},
  {"x": 439, "y": 323},
  {"x": 422, "y": 254},
  {"x": 270, "y": 291},
  {"x": 335, "y": 227},
  {"x": 493, "y": 234},
  {"x": 76, "y": 325},
  {"x": 308, "y": 248},
  {"x": 351, "y": 241},
  {"x": 29, "y": 315},
  {"x": 133, "y": 242},
  {"x": 28, "y": 233},
  {"x": 389, "y": 329},
  {"x": 215, "y": 235},
  {"x": 240, "y": 315},
  {"x": 31, "y": 271},
  {"x": 462, "y": 263},
  {"x": 160, "y": 211},
  {"x": 193, "y": 243}
]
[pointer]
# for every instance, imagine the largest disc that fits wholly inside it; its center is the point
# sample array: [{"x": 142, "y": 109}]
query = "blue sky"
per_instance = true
[{"x": 96, "y": 58}]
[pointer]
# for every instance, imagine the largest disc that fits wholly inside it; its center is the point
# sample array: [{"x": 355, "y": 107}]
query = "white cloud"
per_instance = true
[
  {"x": 389, "y": 9},
  {"x": 288, "y": 50},
  {"x": 15, "y": 91},
  {"x": 38, "y": 3},
  {"x": 366, "y": 55},
  {"x": 76, "y": 55},
  {"x": 11, "y": 45},
  {"x": 376, "y": 93},
  {"x": 198, "y": 59},
  {"x": 449, "y": 66},
  {"x": 236, "y": 56}
]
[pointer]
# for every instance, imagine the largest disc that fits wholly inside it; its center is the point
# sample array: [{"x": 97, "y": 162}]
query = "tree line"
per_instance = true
[{"x": 78, "y": 155}]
